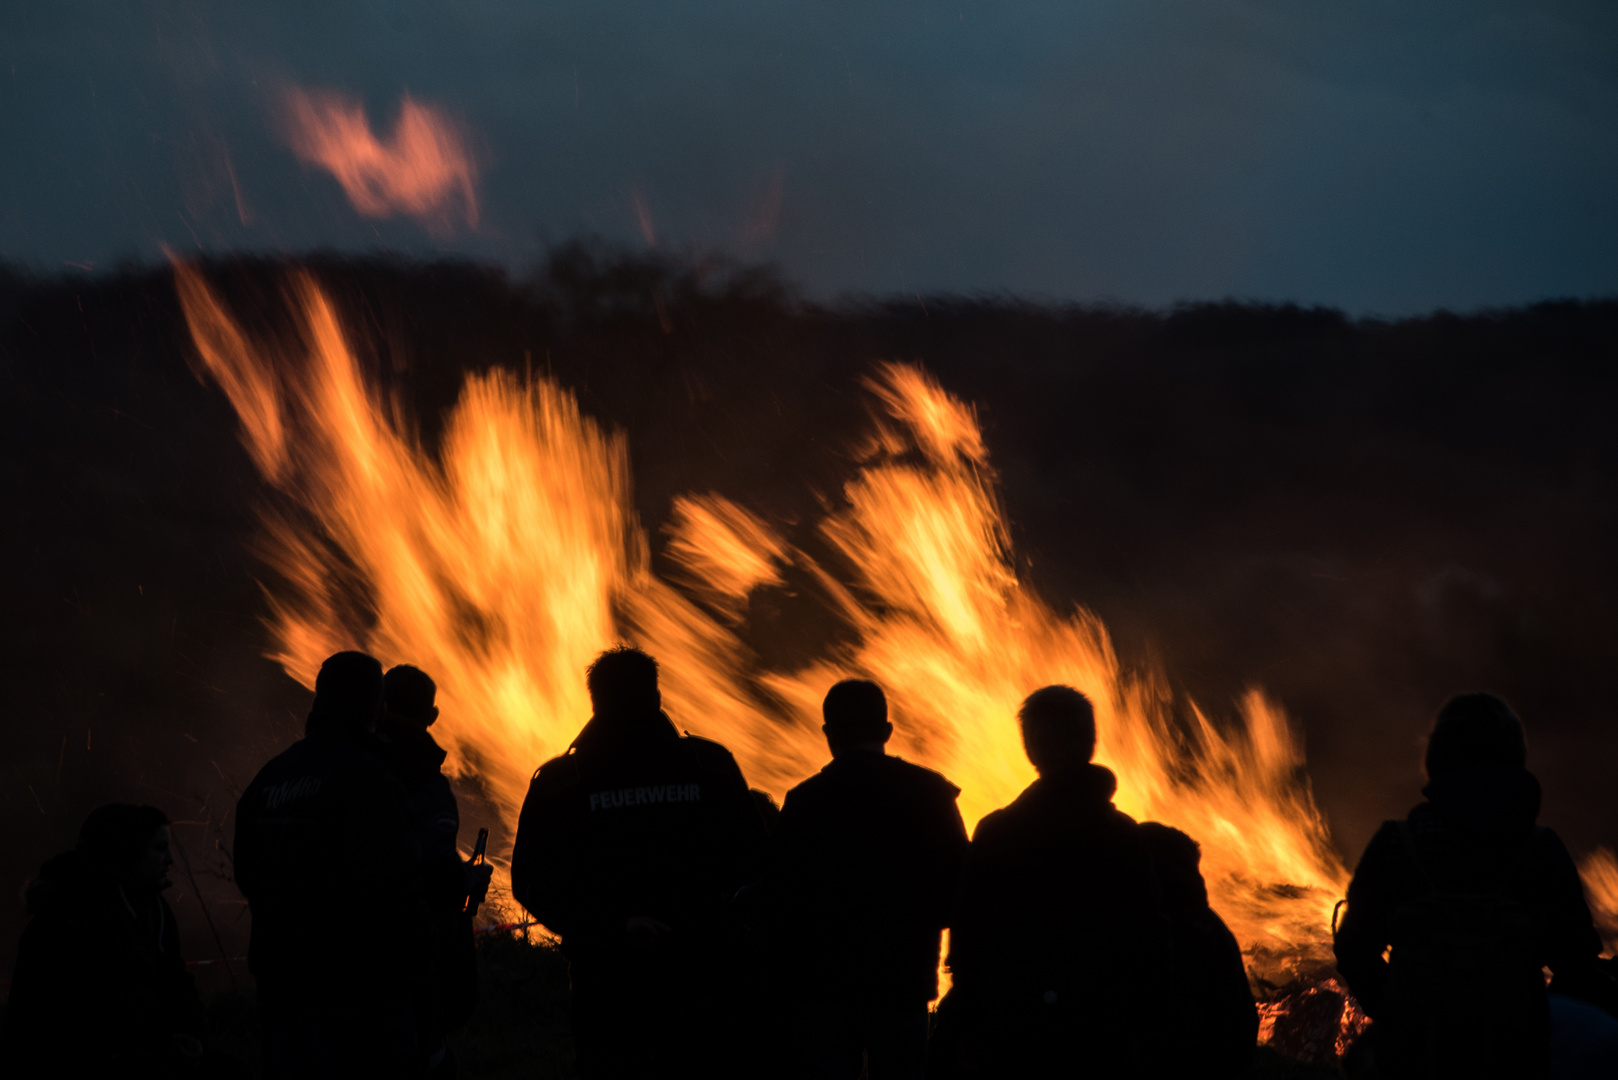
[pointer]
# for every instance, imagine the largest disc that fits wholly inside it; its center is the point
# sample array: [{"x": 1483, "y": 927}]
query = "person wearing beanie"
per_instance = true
[
  {"x": 327, "y": 856},
  {"x": 1455, "y": 911},
  {"x": 868, "y": 851},
  {"x": 100, "y": 987}
]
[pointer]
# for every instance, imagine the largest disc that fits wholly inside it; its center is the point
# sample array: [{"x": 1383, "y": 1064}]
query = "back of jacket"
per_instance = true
[
  {"x": 868, "y": 853},
  {"x": 1059, "y": 895},
  {"x": 1475, "y": 834},
  {"x": 327, "y": 857},
  {"x": 651, "y": 824}
]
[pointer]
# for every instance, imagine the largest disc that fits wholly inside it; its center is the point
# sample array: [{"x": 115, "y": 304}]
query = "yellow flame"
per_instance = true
[
  {"x": 943, "y": 623},
  {"x": 503, "y": 565},
  {"x": 728, "y": 551},
  {"x": 1600, "y": 873}
]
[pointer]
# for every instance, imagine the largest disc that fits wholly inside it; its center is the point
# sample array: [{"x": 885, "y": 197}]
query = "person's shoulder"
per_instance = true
[
  {"x": 559, "y": 774},
  {"x": 806, "y": 790},
  {"x": 1391, "y": 833},
  {"x": 1548, "y": 848},
  {"x": 995, "y": 825},
  {"x": 362, "y": 763},
  {"x": 1387, "y": 847},
  {"x": 922, "y": 780},
  {"x": 709, "y": 754},
  {"x": 1168, "y": 841},
  {"x": 290, "y": 759}
]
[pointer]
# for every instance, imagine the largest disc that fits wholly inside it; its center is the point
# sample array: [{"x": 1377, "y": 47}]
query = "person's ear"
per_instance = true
[
  {"x": 887, "y": 730},
  {"x": 432, "y": 716}
]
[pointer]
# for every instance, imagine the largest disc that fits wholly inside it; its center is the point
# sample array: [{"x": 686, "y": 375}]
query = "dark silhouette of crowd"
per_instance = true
[{"x": 708, "y": 933}]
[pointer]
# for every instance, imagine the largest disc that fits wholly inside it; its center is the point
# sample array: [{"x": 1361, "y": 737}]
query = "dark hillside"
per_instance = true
[{"x": 1361, "y": 516}]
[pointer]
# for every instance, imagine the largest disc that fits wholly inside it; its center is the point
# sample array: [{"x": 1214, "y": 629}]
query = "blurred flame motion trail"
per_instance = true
[
  {"x": 727, "y": 551},
  {"x": 425, "y": 170},
  {"x": 942, "y": 621},
  {"x": 501, "y": 568},
  {"x": 505, "y": 563},
  {"x": 494, "y": 568},
  {"x": 1600, "y": 873}
]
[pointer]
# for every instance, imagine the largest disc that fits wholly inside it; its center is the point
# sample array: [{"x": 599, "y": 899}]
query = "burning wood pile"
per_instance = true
[{"x": 1312, "y": 1022}]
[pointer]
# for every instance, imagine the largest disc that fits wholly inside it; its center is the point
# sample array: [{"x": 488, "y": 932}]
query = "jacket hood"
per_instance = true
[{"x": 1477, "y": 800}]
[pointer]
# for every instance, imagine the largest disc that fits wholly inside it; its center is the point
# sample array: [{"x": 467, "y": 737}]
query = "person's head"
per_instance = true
[
  {"x": 623, "y": 683},
  {"x": 1058, "y": 728},
  {"x": 856, "y": 717},
  {"x": 129, "y": 843},
  {"x": 1475, "y": 731},
  {"x": 408, "y": 694},
  {"x": 348, "y": 692}
]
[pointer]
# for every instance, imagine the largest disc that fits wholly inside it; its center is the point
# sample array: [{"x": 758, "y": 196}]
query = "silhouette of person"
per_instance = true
[
  {"x": 1206, "y": 1024},
  {"x": 409, "y": 697},
  {"x": 1474, "y": 900},
  {"x": 100, "y": 987},
  {"x": 868, "y": 851},
  {"x": 630, "y": 846},
  {"x": 1059, "y": 931},
  {"x": 326, "y": 854}
]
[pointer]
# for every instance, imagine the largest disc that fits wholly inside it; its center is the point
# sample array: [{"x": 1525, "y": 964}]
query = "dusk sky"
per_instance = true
[{"x": 1383, "y": 157}]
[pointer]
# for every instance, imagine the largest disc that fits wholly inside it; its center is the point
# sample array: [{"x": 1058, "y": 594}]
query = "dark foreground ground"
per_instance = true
[{"x": 520, "y": 1031}]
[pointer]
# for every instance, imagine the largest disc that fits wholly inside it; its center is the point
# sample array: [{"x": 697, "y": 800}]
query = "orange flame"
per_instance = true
[
  {"x": 505, "y": 563},
  {"x": 502, "y": 567},
  {"x": 943, "y": 622},
  {"x": 424, "y": 170},
  {"x": 1600, "y": 873},
  {"x": 728, "y": 551}
]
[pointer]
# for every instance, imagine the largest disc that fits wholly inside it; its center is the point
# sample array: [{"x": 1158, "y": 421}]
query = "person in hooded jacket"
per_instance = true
[
  {"x": 448, "y": 881},
  {"x": 1204, "y": 1020},
  {"x": 868, "y": 851},
  {"x": 630, "y": 847},
  {"x": 327, "y": 855},
  {"x": 1454, "y": 912},
  {"x": 100, "y": 988},
  {"x": 1059, "y": 929}
]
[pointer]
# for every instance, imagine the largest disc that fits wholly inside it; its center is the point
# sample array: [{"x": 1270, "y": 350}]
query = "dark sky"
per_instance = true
[{"x": 1384, "y": 157}]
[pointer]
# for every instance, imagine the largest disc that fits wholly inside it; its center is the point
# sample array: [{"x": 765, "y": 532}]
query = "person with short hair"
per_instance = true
[
  {"x": 868, "y": 853},
  {"x": 1058, "y": 931},
  {"x": 99, "y": 987},
  {"x": 1454, "y": 913},
  {"x": 631, "y": 846},
  {"x": 327, "y": 856},
  {"x": 448, "y": 881}
]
